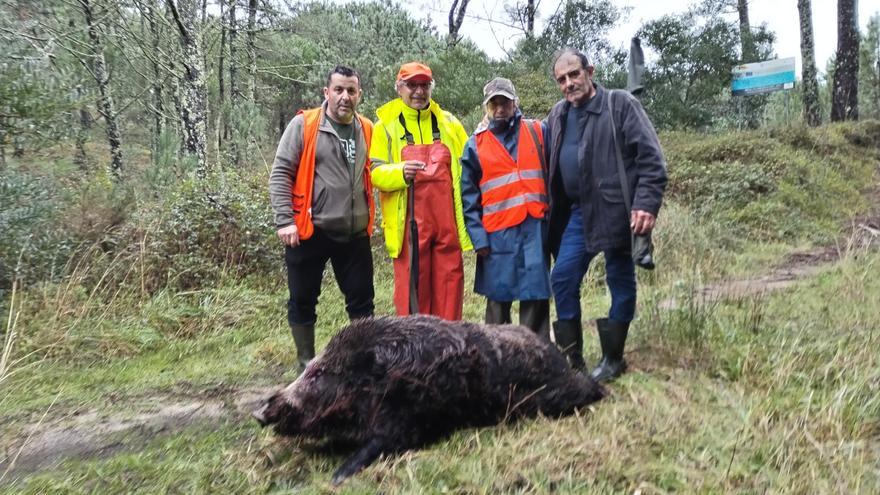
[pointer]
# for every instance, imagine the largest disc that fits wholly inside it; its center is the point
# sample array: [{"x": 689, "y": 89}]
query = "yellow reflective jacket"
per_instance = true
[{"x": 387, "y": 167}]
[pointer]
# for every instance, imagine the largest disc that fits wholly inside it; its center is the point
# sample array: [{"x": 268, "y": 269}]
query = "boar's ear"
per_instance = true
[{"x": 363, "y": 360}]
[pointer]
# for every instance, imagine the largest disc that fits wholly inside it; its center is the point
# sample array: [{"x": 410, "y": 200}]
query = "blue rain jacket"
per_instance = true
[{"x": 517, "y": 267}]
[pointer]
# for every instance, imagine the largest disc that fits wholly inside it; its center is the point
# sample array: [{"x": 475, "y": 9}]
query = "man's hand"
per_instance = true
[
  {"x": 410, "y": 167},
  {"x": 641, "y": 222},
  {"x": 483, "y": 252},
  {"x": 289, "y": 235}
]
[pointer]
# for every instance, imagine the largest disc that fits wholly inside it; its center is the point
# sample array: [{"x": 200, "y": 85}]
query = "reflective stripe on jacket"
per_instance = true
[
  {"x": 511, "y": 191},
  {"x": 303, "y": 187},
  {"x": 387, "y": 175}
]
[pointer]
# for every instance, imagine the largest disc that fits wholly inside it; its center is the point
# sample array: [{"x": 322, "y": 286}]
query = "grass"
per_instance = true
[{"x": 766, "y": 393}]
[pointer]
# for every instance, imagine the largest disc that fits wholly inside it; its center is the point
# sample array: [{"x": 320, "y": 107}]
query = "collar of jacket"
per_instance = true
[
  {"x": 500, "y": 127},
  {"x": 388, "y": 112},
  {"x": 596, "y": 105}
]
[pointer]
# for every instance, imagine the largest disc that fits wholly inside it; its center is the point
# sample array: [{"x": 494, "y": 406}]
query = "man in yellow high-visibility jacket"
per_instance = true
[{"x": 415, "y": 153}]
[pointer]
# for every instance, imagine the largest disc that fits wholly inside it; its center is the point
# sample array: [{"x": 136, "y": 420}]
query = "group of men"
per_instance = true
[{"x": 516, "y": 192}]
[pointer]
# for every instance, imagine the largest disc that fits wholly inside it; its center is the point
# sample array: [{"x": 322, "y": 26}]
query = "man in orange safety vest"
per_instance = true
[
  {"x": 504, "y": 196},
  {"x": 322, "y": 198}
]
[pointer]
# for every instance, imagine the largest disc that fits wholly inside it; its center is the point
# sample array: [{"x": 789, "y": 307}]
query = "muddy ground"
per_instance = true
[{"x": 92, "y": 433}]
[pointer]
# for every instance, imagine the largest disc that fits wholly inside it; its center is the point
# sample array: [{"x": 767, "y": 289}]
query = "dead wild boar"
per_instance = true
[{"x": 389, "y": 384}]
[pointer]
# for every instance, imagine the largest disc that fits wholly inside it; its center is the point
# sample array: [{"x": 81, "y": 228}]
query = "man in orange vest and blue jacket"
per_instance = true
[
  {"x": 322, "y": 198},
  {"x": 505, "y": 208}
]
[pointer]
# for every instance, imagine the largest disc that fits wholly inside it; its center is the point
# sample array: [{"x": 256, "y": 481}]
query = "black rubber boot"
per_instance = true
[
  {"x": 304, "y": 338},
  {"x": 612, "y": 338},
  {"x": 569, "y": 337}
]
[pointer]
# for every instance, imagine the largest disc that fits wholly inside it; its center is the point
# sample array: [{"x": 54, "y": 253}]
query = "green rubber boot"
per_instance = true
[
  {"x": 612, "y": 338},
  {"x": 304, "y": 338},
  {"x": 569, "y": 337}
]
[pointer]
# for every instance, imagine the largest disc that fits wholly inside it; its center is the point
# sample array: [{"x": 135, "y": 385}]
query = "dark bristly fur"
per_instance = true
[{"x": 389, "y": 384}]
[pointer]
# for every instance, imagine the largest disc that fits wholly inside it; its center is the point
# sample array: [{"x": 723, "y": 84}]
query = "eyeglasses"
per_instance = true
[{"x": 412, "y": 85}]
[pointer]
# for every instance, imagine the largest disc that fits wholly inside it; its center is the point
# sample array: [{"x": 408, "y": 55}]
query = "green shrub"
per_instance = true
[
  {"x": 784, "y": 184},
  {"x": 202, "y": 234},
  {"x": 34, "y": 244}
]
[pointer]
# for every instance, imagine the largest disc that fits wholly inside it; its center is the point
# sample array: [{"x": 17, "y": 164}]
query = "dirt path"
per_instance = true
[
  {"x": 863, "y": 235},
  {"x": 92, "y": 433}
]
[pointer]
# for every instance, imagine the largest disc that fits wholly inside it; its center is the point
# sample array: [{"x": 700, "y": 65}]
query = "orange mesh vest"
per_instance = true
[
  {"x": 511, "y": 190},
  {"x": 305, "y": 174}
]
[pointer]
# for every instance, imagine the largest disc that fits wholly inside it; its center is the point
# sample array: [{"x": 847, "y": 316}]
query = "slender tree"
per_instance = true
[
  {"x": 193, "y": 105},
  {"x": 523, "y": 14},
  {"x": 221, "y": 125},
  {"x": 456, "y": 19},
  {"x": 98, "y": 68},
  {"x": 531, "y": 9},
  {"x": 157, "y": 104},
  {"x": 251, "y": 49},
  {"x": 232, "y": 25},
  {"x": 747, "y": 42},
  {"x": 869, "y": 69},
  {"x": 845, "y": 91},
  {"x": 83, "y": 128},
  {"x": 753, "y": 106},
  {"x": 812, "y": 112},
  {"x": 234, "y": 83}
]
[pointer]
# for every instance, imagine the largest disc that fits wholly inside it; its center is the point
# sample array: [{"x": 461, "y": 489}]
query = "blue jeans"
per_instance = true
[{"x": 571, "y": 266}]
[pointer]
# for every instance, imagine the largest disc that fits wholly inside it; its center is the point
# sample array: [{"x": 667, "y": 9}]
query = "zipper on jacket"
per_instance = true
[{"x": 352, "y": 180}]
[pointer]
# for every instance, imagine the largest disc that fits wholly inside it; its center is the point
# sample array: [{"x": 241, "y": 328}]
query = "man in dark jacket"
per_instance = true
[
  {"x": 323, "y": 202},
  {"x": 588, "y": 214}
]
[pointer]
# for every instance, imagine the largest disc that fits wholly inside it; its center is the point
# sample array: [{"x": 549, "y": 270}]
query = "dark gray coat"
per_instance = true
[{"x": 606, "y": 222}]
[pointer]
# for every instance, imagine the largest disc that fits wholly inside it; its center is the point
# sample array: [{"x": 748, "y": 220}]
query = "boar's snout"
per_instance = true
[{"x": 260, "y": 415}]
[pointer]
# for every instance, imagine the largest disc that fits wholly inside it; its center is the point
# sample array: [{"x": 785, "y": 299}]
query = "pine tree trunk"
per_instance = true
[
  {"x": 234, "y": 86},
  {"x": 845, "y": 92},
  {"x": 753, "y": 106},
  {"x": 194, "y": 106},
  {"x": 156, "y": 89},
  {"x": 220, "y": 127},
  {"x": 2, "y": 149},
  {"x": 747, "y": 44},
  {"x": 812, "y": 112},
  {"x": 530, "y": 19},
  {"x": 234, "y": 89},
  {"x": 105, "y": 97},
  {"x": 252, "y": 49},
  {"x": 83, "y": 127}
]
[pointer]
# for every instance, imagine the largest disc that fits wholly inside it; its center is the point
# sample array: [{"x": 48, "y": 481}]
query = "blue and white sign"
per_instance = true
[{"x": 763, "y": 77}]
